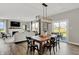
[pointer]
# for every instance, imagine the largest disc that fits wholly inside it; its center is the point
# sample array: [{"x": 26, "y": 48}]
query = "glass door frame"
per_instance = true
[{"x": 67, "y": 27}]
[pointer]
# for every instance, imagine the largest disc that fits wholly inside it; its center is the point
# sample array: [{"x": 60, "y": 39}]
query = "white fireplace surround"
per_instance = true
[{"x": 13, "y": 30}]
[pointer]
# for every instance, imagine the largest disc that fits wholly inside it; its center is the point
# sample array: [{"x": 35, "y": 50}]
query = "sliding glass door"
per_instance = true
[{"x": 61, "y": 27}]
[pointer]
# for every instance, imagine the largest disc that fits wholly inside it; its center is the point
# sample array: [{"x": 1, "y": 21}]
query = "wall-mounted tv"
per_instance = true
[{"x": 15, "y": 24}]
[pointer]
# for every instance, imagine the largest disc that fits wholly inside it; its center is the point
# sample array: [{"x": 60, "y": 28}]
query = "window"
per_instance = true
[
  {"x": 56, "y": 27},
  {"x": 35, "y": 26},
  {"x": 2, "y": 26}
]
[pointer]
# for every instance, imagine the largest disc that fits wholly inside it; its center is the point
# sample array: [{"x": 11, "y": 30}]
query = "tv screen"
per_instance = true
[{"x": 15, "y": 24}]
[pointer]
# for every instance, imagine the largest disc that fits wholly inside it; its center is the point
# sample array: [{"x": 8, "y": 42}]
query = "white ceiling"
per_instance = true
[{"x": 25, "y": 11}]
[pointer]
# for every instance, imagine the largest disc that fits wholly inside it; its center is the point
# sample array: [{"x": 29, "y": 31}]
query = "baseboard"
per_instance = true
[{"x": 73, "y": 43}]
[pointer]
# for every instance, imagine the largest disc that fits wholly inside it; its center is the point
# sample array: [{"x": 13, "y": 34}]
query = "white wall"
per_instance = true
[{"x": 73, "y": 18}]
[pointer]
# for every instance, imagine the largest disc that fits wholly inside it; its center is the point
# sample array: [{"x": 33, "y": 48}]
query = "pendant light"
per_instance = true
[{"x": 44, "y": 9}]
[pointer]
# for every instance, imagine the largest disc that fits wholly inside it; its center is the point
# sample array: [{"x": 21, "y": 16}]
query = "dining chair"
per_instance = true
[
  {"x": 31, "y": 46},
  {"x": 47, "y": 46},
  {"x": 58, "y": 40},
  {"x": 53, "y": 42},
  {"x": 0, "y": 35},
  {"x": 50, "y": 43}
]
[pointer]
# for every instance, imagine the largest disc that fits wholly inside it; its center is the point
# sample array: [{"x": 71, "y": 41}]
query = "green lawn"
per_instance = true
[
  {"x": 61, "y": 30},
  {"x": 2, "y": 30}
]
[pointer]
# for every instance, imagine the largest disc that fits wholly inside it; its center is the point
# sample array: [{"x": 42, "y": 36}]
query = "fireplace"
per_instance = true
[{"x": 14, "y": 32}]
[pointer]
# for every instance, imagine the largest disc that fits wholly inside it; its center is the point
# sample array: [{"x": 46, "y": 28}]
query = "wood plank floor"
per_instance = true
[
  {"x": 21, "y": 49},
  {"x": 65, "y": 49}
]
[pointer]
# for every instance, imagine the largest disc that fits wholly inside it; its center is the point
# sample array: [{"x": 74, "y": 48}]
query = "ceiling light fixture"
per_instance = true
[{"x": 44, "y": 8}]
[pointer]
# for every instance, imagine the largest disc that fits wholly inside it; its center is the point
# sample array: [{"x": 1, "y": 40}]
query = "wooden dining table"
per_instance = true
[{"x": 40, "y": 40}]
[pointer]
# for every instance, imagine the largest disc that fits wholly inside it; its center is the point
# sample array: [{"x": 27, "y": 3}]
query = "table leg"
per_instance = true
[{"x": 40, "y": 51}]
